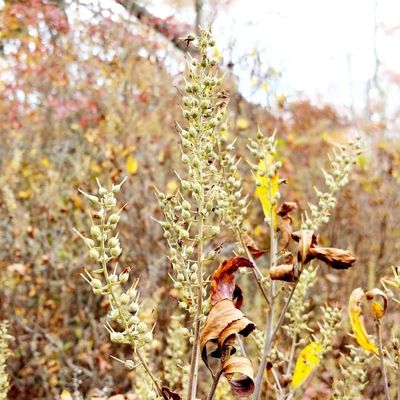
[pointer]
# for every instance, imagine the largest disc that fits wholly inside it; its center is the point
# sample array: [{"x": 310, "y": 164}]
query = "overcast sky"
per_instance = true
[{"x": 319, "y": 45}]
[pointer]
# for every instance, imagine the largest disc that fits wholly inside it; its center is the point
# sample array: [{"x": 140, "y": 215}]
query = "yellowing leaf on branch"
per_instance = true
[
  {"x": 378, "y": 302},
  {"x": 131, "y": 165},
  {"x": 267, "y": 190},
  {"x": 309, "y": 358},
  {"x": 355, "y": 314}
]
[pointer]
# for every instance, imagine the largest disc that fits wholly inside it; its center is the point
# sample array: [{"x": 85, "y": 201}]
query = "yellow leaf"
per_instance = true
[
  {"x": 242, "y": 123},
  {"x": 325, "y": 136},
  {"x": 25, "y": 194},
  {"x": 265, "y": 86},
  {"x": 216, "y": 53},
  {"x": 267, "y": 190},
  {"x": 172, "y": 186},
  {"x": 281, "y": 100},
  {"x": 355, "y": 314},
  {"x": 131, "y": 165},
  {"x": 309, "y": 358},
  {"x": 94, "y": 167},
  {"x": 378, "y": 309},
  {"x": 75, "y": 126},
  {"x": 65, "y": 395},
  {"x": 45, "y": 162}
]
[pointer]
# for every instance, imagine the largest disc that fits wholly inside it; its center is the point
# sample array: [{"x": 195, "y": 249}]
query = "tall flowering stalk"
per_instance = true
[
  {"x": 207, "y": 196},
  {"x": 4, "y": 353},
  {"x": 108, "y": 279}
]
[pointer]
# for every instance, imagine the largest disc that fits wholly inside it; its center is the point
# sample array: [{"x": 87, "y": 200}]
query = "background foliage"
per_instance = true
[{"x": 98, "y": 97}]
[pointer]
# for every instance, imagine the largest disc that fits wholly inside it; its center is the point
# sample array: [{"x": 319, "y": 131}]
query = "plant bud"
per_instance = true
[
  {"x": 113, "y": 314},
  {"x": 113, "y": 242},
  {"x": 115, "y": 251},
  {"x": 97, "y": 291},
  {"x": 96, "y": 283},
  {"x": 113, "y": 220},
  {"x": 142, "y": 327},
  {"x": 215, "y": 230},
  {"x": 133, "y": 307},
  {"x": 189, "y": 250},
  {"x": 116, "y": 337},
  {"x": 94, "y": 254},
  {"x": 89, "y": 242},
  {"x": 124, "y": 298},
  {"x": 111, "y": 201},
  {"x": 185, "y": 214},
  {"x": 129, "y": 364},
  {"x": 213, "y": 122},
  {"x": 103, "y": 191},
  {"x": 134, "y": 320},
  {"x": 123, "y": 278},
  {"x": 95, "y": 231}
]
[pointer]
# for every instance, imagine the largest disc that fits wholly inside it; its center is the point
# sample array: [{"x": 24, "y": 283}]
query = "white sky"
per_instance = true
[{"x": 312, "y": 41}]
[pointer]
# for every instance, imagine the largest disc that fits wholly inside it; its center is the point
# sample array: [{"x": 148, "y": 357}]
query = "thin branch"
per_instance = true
[
  {"x": 382, "y": 360},
  {"x": 256, "y": 270},
  {"x": 161, "y": 26}
]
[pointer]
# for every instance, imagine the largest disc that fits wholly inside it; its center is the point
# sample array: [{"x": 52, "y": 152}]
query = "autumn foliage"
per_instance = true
[{"x": 92, "y": 92}]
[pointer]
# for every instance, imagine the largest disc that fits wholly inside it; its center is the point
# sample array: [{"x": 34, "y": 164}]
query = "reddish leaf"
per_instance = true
[{"x": 223, "y": 280}]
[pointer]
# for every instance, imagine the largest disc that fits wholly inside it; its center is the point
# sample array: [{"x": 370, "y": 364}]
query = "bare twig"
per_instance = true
[{"x": 382, "y": 360}]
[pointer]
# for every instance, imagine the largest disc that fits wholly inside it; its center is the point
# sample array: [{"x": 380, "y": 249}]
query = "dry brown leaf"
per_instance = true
[
  {"x": 286, "y": 208},
  {"x": 223, "y": 280},
  {"x": 222, "y": 323},
  {"x": 242, "y": 386},
  {"x": 252, "y": 246},
  {"x": 284, "y": 272},
  {"x": 306, "y": 239},
  {"x": 285, "y": 223},
  {"x": 168, "y": 394},
  {"x": 308, "y": 249},
  {"x": 335, "y": 258}
]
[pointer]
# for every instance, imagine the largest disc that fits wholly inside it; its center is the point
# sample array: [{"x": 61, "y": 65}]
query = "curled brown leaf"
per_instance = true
[
  {"x": 168, "y": 394},
  {"x": 286, "y": 208},
  {"x": 252, "y": 246},
  {"x": 309, "y": 249},
  {"x": 306, "y": 239},
  {"x": 222, "y": 324},
  {"x": 336, "y": 258},
  {"x": 223, "y": 281},
  {"x": 242, "y": 385},
  {"x": 284, "y": 272},
  {"x": 285, "y": 223}
]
